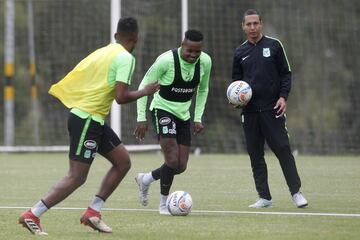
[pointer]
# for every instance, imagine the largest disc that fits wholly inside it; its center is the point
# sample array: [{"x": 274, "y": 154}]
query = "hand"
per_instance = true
[
  {"x": 198, "y": 127},
  {"x": 151, "y": 88},
  {"x": 140, "y": 130},
  {"x": 281, "y": 107}
]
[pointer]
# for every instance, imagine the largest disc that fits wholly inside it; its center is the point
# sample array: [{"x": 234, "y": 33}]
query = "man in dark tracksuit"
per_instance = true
[{"x": 261, "y": 61}]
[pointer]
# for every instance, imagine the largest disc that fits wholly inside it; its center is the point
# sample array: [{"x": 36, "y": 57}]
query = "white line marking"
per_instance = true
[{"x": 355, "y": 215}]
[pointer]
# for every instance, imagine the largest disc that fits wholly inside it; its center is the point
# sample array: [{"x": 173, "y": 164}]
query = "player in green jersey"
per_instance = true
[
  {"x": 181, "y": 72},
  {"x": 89, "y": 90}
]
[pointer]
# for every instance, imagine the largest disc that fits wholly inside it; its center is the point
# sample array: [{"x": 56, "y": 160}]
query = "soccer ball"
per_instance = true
[
  {"x": 239, "y": 93},
  {"x": 179, "y": 203}
]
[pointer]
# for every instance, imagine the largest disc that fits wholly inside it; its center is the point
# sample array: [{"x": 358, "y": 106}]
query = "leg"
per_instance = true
[
  {"x": 255, "y": 147},
  {"x": 120, "y": 160},
  {"x": 165, "y": 173},
  {"x": 171, "y": 156},
  {"x": 278, "y": 140},
  {"x": 75, "y": 178},
  {"x": 184, "y": 151},
  {"x": 80, "y": 131},
  {"x": 176, "y": 151},
  {"x": 183, "y": 139},
  {"x": 168, "y": 128},
  {"x": 81, "y": 155},
  {"x": 111, "y": 148}
]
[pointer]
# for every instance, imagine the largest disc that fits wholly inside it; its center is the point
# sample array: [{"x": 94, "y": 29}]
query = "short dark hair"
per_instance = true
[
  {"x": 251, "y": 12},
  {"x": 194, "y": 35},
  {"x": 127, "y": 26}
]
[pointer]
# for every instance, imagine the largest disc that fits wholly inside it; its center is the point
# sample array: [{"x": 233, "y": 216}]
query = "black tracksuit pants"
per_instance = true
[{"x": 264, "y": 126}]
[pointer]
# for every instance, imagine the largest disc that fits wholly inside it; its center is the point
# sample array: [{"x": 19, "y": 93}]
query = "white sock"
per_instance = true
[
  {"x": 163, "y": 199},
  {"x": 148, "y": 178},
  {"x": 97, "y": 203},
  {"x": 39, "y": 208}
]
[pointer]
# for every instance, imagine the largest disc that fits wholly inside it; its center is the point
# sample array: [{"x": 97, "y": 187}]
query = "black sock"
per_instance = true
[
  {"x": 156, "y": 173},
  {"x": 166, "y": 179}
]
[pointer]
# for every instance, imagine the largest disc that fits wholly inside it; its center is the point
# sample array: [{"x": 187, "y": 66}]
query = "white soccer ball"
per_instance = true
[
  {"x": 179, "y": 203},
  {"x": 239, "y": 93}
]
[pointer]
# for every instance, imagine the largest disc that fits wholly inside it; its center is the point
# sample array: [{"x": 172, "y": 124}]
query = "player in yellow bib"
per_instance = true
[{"x": 89, "y": 90}]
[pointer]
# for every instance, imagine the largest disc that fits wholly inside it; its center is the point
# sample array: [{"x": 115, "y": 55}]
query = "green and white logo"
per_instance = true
[{"x": 266, "y": 52}]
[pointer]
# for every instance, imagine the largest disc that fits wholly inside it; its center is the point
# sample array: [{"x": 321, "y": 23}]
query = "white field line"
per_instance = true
[{"x": 355, "y": 215}]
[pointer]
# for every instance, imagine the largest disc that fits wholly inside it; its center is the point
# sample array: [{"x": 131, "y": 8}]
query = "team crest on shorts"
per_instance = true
[
  {"x": 87, "y": 154},
  {"x": 90, "y": 144},
  {"x": 164, "y": 120},
  {"x": 165, "y": 130},
  {"x": 266, "y": 52}
]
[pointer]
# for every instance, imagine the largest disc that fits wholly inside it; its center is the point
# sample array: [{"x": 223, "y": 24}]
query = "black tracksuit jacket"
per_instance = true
[{"x": 265, "y": 67}]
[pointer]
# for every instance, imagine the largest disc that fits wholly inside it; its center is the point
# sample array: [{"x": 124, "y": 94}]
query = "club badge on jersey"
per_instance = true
[{"x": 266, "y": 52}]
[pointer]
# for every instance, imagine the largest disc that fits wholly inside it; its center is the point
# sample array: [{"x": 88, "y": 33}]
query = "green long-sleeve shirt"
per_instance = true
[{"x": 163, "y": 71}]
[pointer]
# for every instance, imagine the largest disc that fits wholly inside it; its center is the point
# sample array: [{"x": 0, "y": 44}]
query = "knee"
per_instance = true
[
  {"x": 180, "y": 169},
  {"x": 255, "y": 152},
  {"x": 127, "y": 165},
  {"x": 77, "y": 180},
  {"x": 123, "y": 165},
  {"x": 257, "y": 162},
  {"x": 171, "y": 159},
  {"x": 258, "y": 166},
  {"x": 282, "y": 150}
]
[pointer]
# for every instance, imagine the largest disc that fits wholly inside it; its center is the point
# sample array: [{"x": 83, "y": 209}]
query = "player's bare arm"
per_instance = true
[{"x": 124, "y": 95}]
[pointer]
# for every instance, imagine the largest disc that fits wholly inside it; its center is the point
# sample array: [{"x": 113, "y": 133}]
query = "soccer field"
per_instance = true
[{"x": 221, "y": 187}]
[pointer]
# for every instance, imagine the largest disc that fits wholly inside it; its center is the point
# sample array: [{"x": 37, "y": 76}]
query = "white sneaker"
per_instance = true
[
  {"x": 261, "y": 203},
  {"x": 299, "y": 200},
  {"x": 163, "y": 210},
  {"x": 143, "y": 189}
]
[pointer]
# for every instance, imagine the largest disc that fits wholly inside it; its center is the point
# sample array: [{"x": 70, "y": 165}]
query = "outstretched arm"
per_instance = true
[{"x": 124, "y": 95}]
